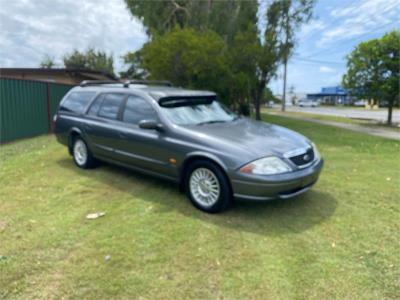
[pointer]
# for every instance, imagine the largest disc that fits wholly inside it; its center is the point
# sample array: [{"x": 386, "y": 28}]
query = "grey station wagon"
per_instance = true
[{"x": 187, "y": 137}]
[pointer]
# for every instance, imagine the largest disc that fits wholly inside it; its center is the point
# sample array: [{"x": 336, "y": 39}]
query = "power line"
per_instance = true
[{"x": 318, "y": 61}]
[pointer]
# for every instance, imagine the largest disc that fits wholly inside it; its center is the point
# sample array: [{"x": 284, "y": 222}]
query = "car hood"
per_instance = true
[{"x": 248, "y": 138}]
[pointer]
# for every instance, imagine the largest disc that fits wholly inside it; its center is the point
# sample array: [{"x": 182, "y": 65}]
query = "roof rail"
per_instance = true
[
  {"x": 150, "y": 82},
  {"x": 96, "y": 82}
]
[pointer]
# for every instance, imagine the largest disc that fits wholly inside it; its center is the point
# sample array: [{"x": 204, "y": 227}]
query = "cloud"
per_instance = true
[
  {"x": 30, "y": 30},
  {"x": 359, "y": 18},
  {"x": 325, "y": 69},
  {"x": 312, "y": 27}
]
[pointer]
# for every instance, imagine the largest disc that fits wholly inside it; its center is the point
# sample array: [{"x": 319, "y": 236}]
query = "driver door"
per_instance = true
[{"x": 143, "y": 148}]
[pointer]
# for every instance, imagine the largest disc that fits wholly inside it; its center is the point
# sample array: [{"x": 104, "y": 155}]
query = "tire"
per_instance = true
[
  {"x": 83, "y": 158},
  {"x": 207, "y": 187}
]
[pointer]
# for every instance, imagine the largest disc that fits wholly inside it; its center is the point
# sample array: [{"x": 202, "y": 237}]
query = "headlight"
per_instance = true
[
  {"x": 317, "y": 155},
  {"x": 266, "y": 166}
]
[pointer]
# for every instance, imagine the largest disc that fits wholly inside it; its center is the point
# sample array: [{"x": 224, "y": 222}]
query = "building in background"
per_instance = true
[
  {"x": 335, "y": 95},
  {"x": 59, "y": 75}
]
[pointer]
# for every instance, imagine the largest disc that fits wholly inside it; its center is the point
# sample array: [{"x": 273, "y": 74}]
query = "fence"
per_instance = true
[{"x": 27, "y": 107}]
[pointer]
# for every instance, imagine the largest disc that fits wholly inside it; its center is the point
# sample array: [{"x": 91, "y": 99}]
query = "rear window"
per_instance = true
[{"x": 77, "y": 101}]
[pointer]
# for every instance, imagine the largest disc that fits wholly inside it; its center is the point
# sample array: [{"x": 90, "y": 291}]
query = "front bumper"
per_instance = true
[{"x": 281, "y": 186}]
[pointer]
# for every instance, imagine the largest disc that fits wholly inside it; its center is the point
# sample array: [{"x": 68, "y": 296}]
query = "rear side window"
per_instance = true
[
  {"x": 77, "y": 101},
  {"x": 110, "y": 106},
  {"x": 94, "y": 107},
  {"x": 138, "y": 109}
]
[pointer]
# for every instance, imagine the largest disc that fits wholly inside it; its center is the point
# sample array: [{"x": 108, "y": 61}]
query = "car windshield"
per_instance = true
[{"x": 190, "y": 113}]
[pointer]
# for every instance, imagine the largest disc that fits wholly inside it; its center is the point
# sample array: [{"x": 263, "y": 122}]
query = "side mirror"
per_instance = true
[{"x": 150, "y": 124}]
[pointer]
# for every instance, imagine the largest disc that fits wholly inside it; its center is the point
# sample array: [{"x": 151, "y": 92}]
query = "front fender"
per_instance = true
[{"x": 207, "y": 155}]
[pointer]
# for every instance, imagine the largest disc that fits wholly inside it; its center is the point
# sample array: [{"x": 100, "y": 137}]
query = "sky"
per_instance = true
[{"x": 32, "y": 29}]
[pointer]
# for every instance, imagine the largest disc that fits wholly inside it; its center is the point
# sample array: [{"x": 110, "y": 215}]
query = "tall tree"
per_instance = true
[
  {"x": 293, "y": 13},
  {"x": 253, "y": 56},
  {"x": 224, "y": 17},
  {"x": 243, "y": 63},
  {"x": 282, "y": 18},
  {"x": 373, "y": 70},
  {"x": 188, "y": 58},
  {"x": 90, "y": 59}
]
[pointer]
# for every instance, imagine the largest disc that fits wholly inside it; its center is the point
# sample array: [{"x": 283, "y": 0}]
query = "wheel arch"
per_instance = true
[
  {"x": 195, "y": 156},
  {"x": 72, "y": 134}
]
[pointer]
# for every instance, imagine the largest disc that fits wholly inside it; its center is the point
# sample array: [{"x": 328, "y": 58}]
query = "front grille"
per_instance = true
[{"x": 304, "y": 158}]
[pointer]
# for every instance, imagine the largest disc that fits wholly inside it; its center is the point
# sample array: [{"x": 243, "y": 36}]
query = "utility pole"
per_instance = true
[{"x": 284, "y": 85}]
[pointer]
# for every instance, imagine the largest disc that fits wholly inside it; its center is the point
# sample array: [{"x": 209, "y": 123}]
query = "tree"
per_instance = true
[
  {"x": 252, "y": 57},
  {"x": 47, "y": 62},
  {"x": 90, "y": 59},
  {"x": 243, "y": 58},
  {"x": 269, "y": 96},
  {"x": 226, "y": 18},
  {"x": 293, "y": 13},
  {"x": 136, "y": 69},
  {"x": 373, "y": 70},
  {"x": 269, "y": 54},
  {"x": 188, "y": 58},
  {"x": 282, "y": 19}
]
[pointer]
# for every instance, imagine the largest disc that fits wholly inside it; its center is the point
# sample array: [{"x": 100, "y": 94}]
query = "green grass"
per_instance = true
[
  {"x": 340, "y": 240},
  {"x": 367, "y": 123}
]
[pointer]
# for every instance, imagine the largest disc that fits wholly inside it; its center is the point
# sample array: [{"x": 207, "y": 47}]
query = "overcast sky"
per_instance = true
[{"x": 31, "y": 29}]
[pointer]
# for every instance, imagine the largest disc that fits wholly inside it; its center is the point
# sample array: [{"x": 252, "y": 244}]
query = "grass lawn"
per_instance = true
[{"x": 340, "y": 240}]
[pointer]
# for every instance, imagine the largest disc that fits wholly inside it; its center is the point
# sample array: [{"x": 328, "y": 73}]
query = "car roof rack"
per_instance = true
[
  {"x": 125, "y": 83},
  {"x": 149, "y": 82},
  {"x": 97, "y": 82}
]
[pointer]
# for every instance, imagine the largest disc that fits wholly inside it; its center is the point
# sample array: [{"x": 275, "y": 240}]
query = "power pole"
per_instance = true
[{"x": 284, "y": 85}]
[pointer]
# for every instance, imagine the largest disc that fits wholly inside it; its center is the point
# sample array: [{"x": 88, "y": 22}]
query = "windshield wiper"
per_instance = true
[{"x": 211, "y": 122}]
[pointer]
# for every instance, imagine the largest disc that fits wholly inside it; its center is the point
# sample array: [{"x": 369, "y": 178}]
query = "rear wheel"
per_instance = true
[
  {"x": 208, "y": 187},
  {"x": 82, "y": 155}
]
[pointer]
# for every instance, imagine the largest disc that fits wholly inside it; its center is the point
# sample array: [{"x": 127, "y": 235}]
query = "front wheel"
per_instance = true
[
  {"x": 208, "y": 187},
  {"x": 82, "y": 155}
]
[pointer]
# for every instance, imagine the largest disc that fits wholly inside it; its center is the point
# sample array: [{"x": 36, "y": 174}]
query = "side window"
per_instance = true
[
  {"x": 110, "y": 106},
  {"x": 94, "y": 107},
  {"x": 77, "y": 101},
  {"x": 138, "y": 109}
]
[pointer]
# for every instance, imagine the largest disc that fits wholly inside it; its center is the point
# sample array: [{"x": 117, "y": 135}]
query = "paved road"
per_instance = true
[{"x": 354, "y": 113}]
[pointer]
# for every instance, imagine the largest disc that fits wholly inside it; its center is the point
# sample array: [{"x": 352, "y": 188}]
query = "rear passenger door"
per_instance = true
[{"x": 102, "y": 124}]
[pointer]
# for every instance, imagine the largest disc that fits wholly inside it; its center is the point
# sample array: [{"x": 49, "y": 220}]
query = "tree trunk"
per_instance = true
[
  {"x": 257, "y": 105},
  {"x": 257, "y": 99},
  {"x": 390, "y": 110}
]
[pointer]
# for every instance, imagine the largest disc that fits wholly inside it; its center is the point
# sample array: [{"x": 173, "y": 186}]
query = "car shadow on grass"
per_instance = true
[{"x": 267, "y": 218}]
